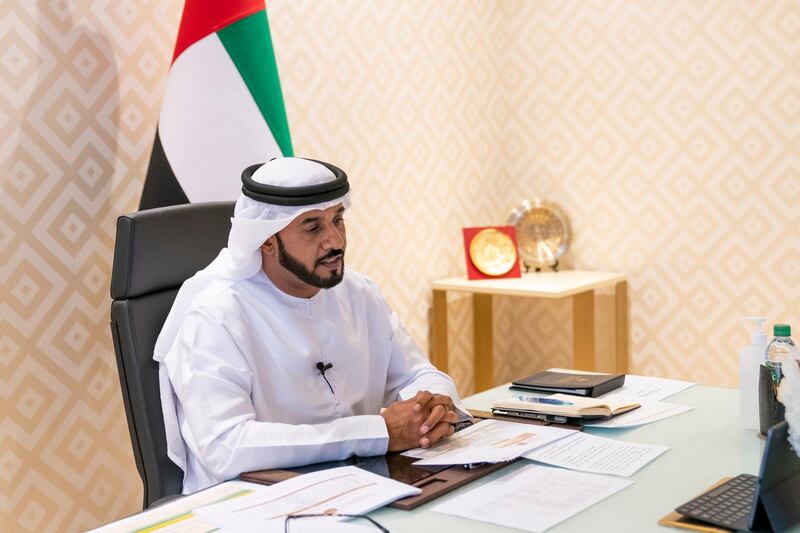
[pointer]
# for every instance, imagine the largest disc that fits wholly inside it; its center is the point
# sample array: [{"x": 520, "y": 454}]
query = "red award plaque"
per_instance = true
[{"x": 491, "y": 252}]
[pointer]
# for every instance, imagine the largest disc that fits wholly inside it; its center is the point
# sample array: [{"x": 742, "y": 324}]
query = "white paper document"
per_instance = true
[
  {"x": 647, "y": 413},
  {"x": 488, "y": 441},
  {"x": 646, "y": 389},
  {"x": 589, "y": 453},
  {"x": 534, "y": 498},
  {"x": 344, "y": 490}
]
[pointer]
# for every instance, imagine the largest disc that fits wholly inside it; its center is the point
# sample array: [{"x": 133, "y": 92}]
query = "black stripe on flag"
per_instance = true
[{"x": 161, "y": 187}]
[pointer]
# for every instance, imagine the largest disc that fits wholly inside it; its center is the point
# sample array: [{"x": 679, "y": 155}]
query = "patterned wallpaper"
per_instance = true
[
  {"x": 669, "y": 130},
  {"x": 79, "y": 91}
]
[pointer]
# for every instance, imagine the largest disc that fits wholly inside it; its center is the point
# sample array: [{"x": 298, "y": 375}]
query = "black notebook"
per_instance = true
[{"x": 590, "y": 385}]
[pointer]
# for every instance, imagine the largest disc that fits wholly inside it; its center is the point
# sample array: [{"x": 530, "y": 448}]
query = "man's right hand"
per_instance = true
[{"x": 404, "y": 420}]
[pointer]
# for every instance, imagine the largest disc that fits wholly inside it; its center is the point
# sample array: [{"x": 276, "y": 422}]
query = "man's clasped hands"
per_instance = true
[{"x": 421, "y": 421}]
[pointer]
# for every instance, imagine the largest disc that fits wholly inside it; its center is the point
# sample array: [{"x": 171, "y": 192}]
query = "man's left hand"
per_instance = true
[{"x": 441, "y": 420}]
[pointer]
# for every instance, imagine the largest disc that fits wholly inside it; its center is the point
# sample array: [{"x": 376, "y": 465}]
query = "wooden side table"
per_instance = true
[{"x": 577, "y": 284}]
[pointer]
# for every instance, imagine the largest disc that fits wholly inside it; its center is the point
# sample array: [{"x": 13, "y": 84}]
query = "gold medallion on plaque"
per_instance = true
[{"x": 492, "y": 252}]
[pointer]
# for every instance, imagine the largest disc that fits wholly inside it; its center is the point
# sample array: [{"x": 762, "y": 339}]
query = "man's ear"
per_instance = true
[{"x": 270, "y": 247}]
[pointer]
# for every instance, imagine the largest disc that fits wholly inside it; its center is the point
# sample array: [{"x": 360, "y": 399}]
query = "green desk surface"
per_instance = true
[{"x": 706, "y": 444}]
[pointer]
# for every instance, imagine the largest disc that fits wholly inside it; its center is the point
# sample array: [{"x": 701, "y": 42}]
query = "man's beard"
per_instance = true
[{"x": 293, "y": 265}]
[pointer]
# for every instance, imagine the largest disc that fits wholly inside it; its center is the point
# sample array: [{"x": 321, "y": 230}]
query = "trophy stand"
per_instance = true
[{"x": 554, "y": 266}]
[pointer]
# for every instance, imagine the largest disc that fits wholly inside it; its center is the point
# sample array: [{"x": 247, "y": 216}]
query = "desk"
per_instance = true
[
  {"x": 577, "y": 284},
  {"x": 706, "y": 445}
]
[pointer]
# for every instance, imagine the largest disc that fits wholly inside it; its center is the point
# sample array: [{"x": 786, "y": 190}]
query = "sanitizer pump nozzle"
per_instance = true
[{"x": 758, "y": 337}]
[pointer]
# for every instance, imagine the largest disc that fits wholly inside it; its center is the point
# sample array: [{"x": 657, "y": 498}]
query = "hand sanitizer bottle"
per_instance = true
[{"x": 749, "y": 360}]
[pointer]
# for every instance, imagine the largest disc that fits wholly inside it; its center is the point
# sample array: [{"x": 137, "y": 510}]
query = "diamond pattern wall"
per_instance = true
[
  {"x": 668, "y": 130},
  {"x": 80, "y": 87}
]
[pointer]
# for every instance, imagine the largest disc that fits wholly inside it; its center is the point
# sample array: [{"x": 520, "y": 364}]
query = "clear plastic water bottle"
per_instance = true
[{"x": 780, "y": 349}]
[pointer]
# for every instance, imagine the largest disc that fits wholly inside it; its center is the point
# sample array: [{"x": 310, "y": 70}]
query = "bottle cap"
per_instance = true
[{"x": 782, "y": 330}]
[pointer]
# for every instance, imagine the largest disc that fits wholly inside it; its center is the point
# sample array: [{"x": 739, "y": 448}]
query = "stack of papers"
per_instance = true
[
  {"x": 343, "y": 490},
  {"x": 649, "y": 391},
  {"x": 646, "y": 389},
  {"x": 536, "y": 498},
  {"x": 647, "y": 413},
  {"x": 492, "y": 441},
  {"x": 488, "y": 441}
]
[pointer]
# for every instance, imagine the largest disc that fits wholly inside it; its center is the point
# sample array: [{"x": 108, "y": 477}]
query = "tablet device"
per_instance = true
[
  {"x": 767, "y": 502},
  {"x": 555, "y": 419}
]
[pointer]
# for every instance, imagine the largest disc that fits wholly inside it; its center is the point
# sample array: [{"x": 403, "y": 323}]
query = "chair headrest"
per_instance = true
[{"x": 160, "y": 248}]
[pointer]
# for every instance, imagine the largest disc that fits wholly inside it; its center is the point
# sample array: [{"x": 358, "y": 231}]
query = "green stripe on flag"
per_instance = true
[{"x": 249, "y": 44}]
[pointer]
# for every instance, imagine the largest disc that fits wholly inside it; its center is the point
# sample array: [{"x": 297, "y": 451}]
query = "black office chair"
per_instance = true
[{"x": 156, "y": 251}]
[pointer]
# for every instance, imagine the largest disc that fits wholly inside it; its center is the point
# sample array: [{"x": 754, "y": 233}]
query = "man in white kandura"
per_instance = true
[{"x": 275, "y": 355}]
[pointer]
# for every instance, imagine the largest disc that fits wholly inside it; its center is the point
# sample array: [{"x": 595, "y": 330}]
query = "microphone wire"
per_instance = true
[{"x": 322, "y": 367}]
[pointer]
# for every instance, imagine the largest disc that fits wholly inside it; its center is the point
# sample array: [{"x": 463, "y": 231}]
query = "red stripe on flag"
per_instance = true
[{"x": 202, "y": 17}]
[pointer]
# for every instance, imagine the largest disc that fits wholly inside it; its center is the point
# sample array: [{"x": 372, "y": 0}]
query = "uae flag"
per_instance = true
[{"x": 222, "y": 108}]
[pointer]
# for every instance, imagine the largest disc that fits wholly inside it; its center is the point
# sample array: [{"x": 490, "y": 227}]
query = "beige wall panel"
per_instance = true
[
  {"x": 670, "y": 132},
  {"x": 80, "y": 84}
]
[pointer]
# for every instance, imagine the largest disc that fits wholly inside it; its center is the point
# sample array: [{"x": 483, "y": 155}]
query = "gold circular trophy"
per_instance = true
[
  {"x": 492, "y": 252},
  {"x": 543, "y": 231}
]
